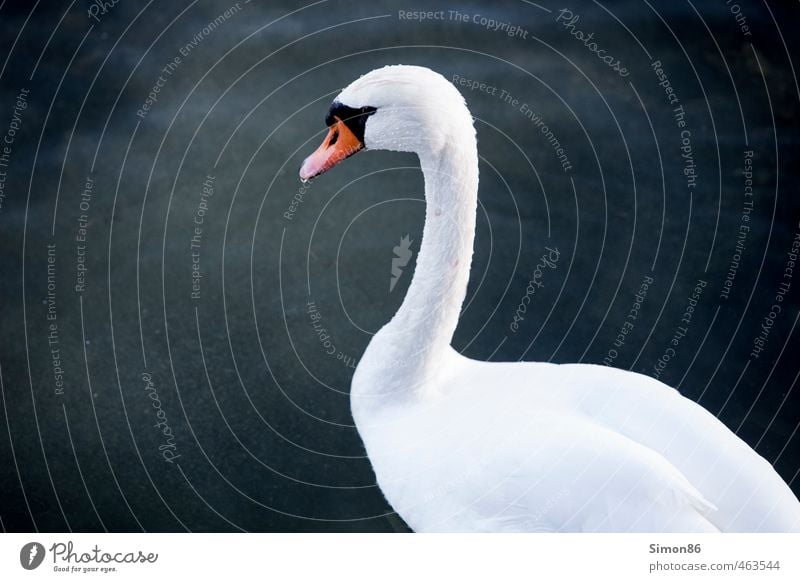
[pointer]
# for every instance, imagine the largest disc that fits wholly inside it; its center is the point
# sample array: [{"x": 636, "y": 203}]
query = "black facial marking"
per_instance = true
[
  {"x": 354, "y": 119},
  {"x": 334, "y": 138}
]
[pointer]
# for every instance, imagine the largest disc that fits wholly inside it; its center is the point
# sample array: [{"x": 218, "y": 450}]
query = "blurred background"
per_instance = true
[{"x": 181, "y": 317}]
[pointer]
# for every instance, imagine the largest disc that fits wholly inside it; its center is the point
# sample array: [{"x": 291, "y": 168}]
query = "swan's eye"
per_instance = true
[{"x": 354, "y": 118}]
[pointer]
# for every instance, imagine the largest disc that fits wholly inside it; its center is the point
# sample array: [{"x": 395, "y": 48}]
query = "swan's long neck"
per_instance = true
[
  {"x": 432, "y": 305},
  {"x": 405, "y": 357}
]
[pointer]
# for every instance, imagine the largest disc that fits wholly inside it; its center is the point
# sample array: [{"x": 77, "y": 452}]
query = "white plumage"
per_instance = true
[{"x": 463, "y": 445}]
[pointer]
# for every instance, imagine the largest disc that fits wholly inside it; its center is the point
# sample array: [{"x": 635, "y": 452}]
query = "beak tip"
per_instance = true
[{"x": 306, "y": 173}]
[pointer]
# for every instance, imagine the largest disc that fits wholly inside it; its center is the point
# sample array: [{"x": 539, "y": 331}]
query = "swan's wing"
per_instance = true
[
  {"x": 587, "y": 478},
  {"x": 749, "y": 494},
  {"x": 675, "y": 454},
  {"x": 475, "y": 464}
]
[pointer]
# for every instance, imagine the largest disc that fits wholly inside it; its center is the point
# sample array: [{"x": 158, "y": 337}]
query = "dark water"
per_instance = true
[{"x": 129, "y": 403}]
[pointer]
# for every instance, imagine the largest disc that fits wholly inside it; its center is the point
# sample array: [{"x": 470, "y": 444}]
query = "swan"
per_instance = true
[{"x": 464, "y": 445}]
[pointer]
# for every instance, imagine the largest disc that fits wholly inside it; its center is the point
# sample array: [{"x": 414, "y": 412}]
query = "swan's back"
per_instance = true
[{"x": 541, "y": 447}]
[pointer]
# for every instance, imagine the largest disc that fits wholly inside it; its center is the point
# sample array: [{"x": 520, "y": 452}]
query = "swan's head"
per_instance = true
[{"x": 400, "y": 108}]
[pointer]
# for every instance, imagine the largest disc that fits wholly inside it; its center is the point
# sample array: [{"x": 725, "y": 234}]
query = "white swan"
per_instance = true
[{"x": 463, "y": 445}]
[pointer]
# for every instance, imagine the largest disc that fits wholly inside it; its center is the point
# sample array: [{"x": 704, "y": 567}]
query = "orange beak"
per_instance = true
[{"x": 340, "y": 143}]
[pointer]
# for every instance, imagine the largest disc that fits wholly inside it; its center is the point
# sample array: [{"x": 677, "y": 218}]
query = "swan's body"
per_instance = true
[{"x": 463, "y": 445}]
